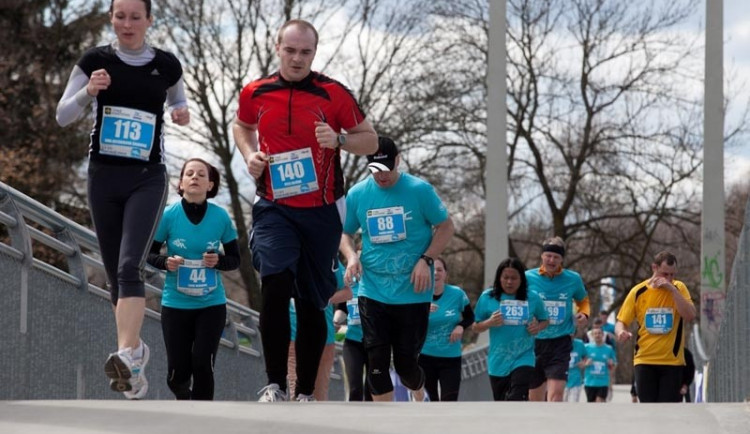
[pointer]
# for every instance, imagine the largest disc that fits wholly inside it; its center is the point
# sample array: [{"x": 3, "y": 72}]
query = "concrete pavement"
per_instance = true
[{"x": 117, "y": 416}]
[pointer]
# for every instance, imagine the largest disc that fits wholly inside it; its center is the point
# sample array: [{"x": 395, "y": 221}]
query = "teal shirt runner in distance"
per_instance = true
[
  {"x": 442, "y": 321},
  {"x": 597, "y": 373},
  {"x": 558, "y": 294},
  {"x": 575, "y": 377},
  {"x": 353, "y": 322},
  {"x": 511, "y": 345}
]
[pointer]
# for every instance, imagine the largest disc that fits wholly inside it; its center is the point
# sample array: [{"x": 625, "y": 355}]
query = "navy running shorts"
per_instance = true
[{"x": 303, "y": 240}]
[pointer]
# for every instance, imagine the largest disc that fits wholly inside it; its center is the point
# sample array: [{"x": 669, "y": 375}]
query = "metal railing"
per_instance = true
[
  {"x": 80, "y": 248},
  {"x": 728, "y": 368}
]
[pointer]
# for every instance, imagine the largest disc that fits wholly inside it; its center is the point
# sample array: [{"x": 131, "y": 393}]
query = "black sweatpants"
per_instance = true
[
  {"x": 355, "y": 363},
  {"x": 126, "y": 205},
  {"x": 275, "y": 330},
  {"x": 443, "y": 370},
  {"x": 191, "y": 337}
]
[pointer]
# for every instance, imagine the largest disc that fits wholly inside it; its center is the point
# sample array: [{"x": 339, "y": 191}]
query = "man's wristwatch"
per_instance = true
[
  {"x": 428, "y": 260},
  {"x": 340, "y": 140}
]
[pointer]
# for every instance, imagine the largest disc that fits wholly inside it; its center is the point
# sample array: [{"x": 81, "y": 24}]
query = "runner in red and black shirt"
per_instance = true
[
  {"x": 290, "y": 128},
  {"x": 286, "y": 115}
]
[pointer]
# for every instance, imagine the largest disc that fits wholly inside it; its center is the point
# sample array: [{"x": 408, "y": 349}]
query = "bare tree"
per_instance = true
[
  {"x": 604, "y": 131},
  {"x": 603, "y": 144},
  {"x": 371, "y": 46},
  {"x": 39, "y": 43},
  {"x": 223, "y": 45}
]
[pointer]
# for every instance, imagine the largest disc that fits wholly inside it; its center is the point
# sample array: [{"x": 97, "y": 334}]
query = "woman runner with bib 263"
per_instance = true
[
  {"x": 127, "y": 84},
  {"x": 513, "y": 315}
]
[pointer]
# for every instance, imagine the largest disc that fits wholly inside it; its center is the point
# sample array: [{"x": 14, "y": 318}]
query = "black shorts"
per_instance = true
[
  {"x": 552, "y": 360},
  {"x": 302, "y": 240},
  {"x": 596, "y": 392},
  {"x": 401, "y": 326}
]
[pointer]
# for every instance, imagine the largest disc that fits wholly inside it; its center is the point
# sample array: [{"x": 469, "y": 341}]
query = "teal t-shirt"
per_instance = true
[
  {"x": 558, "y": 294},
  {"x": 511, "y": 345},
  {"x": 397, "y": 225},
  {"x": 442, "y": 321},
  {"x": 193, "y": 286},
  {"x": 597, "y": 374},
  {"x": 576, "y": 355},
  {"x": 353, "y": 323},
  {"x": 329, "y": 310}
]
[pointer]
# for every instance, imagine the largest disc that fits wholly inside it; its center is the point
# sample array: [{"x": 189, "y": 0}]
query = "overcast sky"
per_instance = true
[{"x": 737, "y": 60}]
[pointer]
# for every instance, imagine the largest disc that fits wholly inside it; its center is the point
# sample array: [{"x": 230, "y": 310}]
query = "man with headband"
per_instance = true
[{"x": 559, "y": 288}]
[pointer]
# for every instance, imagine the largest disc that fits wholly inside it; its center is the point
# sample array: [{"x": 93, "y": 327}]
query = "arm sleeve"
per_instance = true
[
  {"x": 230, "y": 260},
  {"x": 468, "y": 317},
  {"x": 176, "y": 96},
  {"x": 584, "y": 306},
  {"x": 74, "y": 99},
  {"x": 155, "y": 258},
  {"x": 688, "y": 371}
]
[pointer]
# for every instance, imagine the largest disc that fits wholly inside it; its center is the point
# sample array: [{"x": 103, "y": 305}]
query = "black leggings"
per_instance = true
[
  {"x": 275, "y": 329},
  {"x": 192, "y": 337},
  {"x": 126, "y": 204},
  {"x": 446, "y": 371},
  {"x": 658, "y": 383},
  {"x": 355, "y": 363},
  {"x": 514, "y": 387}
]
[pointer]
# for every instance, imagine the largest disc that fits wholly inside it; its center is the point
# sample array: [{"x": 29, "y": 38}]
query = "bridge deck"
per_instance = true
[{"x": 117, "y": 416}]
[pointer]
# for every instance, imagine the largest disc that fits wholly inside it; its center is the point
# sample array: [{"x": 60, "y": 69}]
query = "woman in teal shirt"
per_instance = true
[
  {"x": 440, "y": 358},
  {"x": 513, "y": 315},
  {"x": 201, "y": 241}
]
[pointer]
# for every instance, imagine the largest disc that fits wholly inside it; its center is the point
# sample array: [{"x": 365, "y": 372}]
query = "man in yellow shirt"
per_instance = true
[{"x": 662, "y": 307}]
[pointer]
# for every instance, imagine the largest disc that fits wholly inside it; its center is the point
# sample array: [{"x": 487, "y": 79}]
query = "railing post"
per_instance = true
[
  {"x": 75, "y": 261},
  {"x": 21, "y": 240}
]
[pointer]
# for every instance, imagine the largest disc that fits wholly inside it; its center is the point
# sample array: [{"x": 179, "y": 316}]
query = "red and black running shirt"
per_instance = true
[{"x": 285, "y": 113}]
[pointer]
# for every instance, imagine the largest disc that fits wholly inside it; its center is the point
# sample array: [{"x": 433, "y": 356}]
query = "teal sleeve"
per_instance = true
[
  {"x": 480, "y": 312},
  {"x": 162, "y": 231},
  {"x": 434, "y": 210},
  {"x": 351, "y": 223},
  {"x": 230, "y": 232}
]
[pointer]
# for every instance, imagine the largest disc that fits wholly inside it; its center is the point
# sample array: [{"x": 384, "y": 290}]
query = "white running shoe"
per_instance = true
[
  {"x": 138, "y": 382},
  {"x": 304, "y": 398},
  {"x": 126, "y": 371},
  {"x": 272, "y": 393}
]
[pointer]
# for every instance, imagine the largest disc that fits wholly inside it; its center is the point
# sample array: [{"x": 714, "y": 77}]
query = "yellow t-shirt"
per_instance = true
[{"x": 661, "y": 329}]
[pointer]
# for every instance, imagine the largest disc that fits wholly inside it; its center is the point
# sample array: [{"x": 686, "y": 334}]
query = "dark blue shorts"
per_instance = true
[{"x": 302, "y": 240}]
